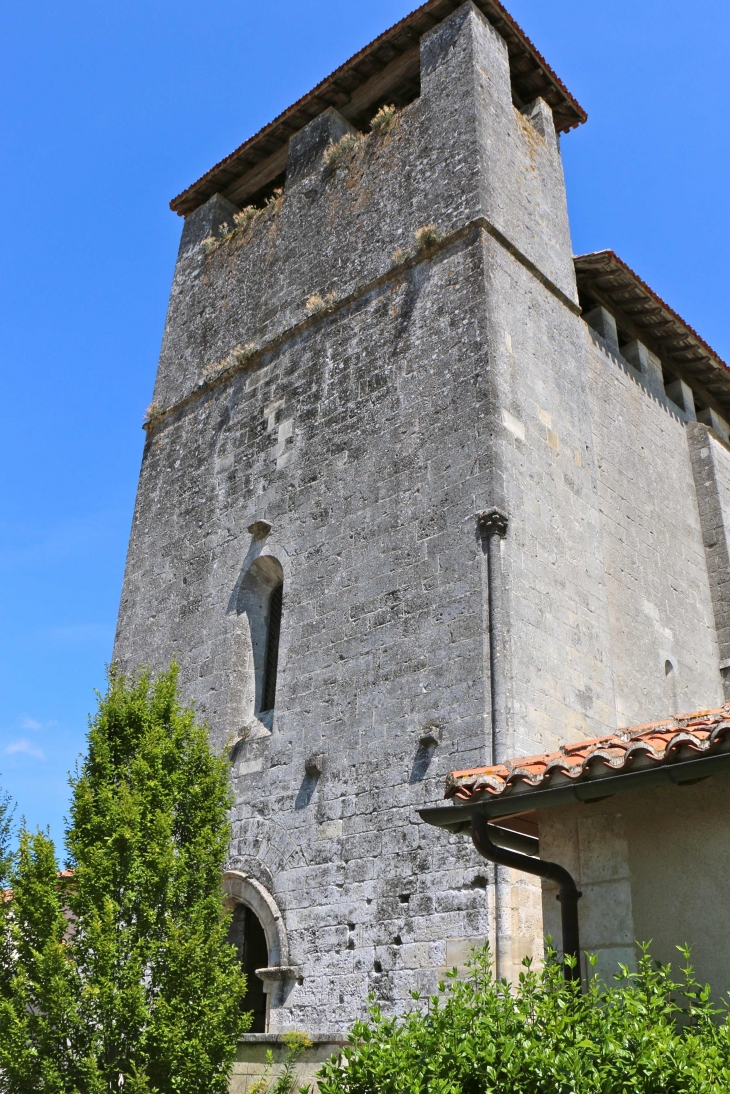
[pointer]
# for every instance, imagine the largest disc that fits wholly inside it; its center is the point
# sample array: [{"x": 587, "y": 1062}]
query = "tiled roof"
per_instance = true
[
  {"x": 608, "y": 280},
  {"x": 649, "y": 746}
]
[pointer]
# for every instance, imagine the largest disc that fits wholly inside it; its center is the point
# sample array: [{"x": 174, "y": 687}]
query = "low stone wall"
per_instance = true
[{"x": 251, "y": 1058}]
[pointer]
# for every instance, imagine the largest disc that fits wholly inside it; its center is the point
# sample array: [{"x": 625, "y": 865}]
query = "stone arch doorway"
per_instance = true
[
  {"x": 248, "y": 936},
  {"x": 258, "y": 932}
]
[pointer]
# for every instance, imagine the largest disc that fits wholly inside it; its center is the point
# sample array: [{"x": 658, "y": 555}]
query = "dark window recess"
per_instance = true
[
  {"x": 624, "y": 337},
  {"x": 586, "y": 301},
  {"x": 247, "y": 935},
  {"x": 272, "y": 648},
  {"x": 261, "y": 197}
]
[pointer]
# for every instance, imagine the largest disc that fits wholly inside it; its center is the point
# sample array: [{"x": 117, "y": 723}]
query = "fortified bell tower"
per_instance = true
[{"x": 371, "y": 521}]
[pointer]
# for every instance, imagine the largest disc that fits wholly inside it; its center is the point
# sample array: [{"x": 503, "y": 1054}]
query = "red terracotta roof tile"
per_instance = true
[{"x": 657, "y": 743}]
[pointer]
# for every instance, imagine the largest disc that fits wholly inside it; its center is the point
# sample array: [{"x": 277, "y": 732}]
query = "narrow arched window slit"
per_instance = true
[{"x": 272, "y": 648}]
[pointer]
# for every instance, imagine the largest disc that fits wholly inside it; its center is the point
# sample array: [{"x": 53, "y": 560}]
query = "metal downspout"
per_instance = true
[
  {"x": 492, "y": 529},
  {"x": 568, "y": 894},
  {"x": 492, "y": 526}
]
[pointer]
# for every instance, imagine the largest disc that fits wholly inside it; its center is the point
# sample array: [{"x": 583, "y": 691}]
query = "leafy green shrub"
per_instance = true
[{"x": 649, "y": 1034}]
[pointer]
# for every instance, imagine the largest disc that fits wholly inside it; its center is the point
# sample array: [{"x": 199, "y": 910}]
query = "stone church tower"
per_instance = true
[{"x": 418, "y": 490}]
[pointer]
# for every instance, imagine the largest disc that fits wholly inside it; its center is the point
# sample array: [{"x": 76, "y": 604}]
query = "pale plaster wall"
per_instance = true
[{"x": 653, "y": 866}]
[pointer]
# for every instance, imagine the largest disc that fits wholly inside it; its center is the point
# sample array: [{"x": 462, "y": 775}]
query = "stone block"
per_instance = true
[
  {"x": 648, "y": 364},
  {"x": 213, "y": 219},
  {"x": 540, "y": 114},
  {"x": 604, "y": 324},
  {"x": 715, "y": 421},
  {"x": 307, "y": 147}
]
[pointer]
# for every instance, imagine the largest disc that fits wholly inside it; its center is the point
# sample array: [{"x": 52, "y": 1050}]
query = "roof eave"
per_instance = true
[
  {"x": 690, "y": 352},
  {"x": 584, "y": 790}
]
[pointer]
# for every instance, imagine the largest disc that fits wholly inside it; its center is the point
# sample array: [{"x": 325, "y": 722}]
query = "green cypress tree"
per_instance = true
[
  {"x": 149, "y": 832},
  {"x": 6, "y": 829},
  {"x": 42, "y": 1040},
  {"x": 118, "y": 976}
]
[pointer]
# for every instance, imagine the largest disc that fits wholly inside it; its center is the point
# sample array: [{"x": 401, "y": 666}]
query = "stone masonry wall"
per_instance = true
[
  {"x": 381, "y": 397},
  {"x": 710, "y": 461},
  {"x": 659, "y": 595}
]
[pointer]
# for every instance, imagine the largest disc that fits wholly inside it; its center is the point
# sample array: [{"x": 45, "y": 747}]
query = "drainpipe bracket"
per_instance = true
[{"x": 493, "y": 522}]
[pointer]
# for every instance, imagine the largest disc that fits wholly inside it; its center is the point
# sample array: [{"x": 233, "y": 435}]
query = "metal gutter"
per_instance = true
[
  {"x": 482, "y": 833},
  {"x": 518, "y": 852}
]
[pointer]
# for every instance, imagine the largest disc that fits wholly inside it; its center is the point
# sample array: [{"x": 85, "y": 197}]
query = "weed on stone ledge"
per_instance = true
[
  {"x": 428, "y": 236},
  {"x": 243, "y": 220},
  {"x": 246, "y": 217},
  {"x": 153, "y": 413},
  {"x": 316, "y": 303},
  {"x": 273, "y": 204},
  {"x": 339, "y": 151},
  {"x": 235, "y": 359},
  {"x": 383, "y": 119}
]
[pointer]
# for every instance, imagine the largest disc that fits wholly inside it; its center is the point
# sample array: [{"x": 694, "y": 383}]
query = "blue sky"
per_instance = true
[{"x": 108, "y": 111}]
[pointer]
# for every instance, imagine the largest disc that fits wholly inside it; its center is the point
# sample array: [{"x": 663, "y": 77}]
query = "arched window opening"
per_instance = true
[
  {"x": 272, "y": 648},
  {"x": 247, "y": 935},
  {"x": 670, "y": 685},
  {"x": 259, "y": 608}
]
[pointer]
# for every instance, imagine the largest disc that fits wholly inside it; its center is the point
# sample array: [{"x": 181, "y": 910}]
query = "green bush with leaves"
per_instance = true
[
  {"x": 649, "y": 1034},
  {"x": 119, "y": 977}
]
